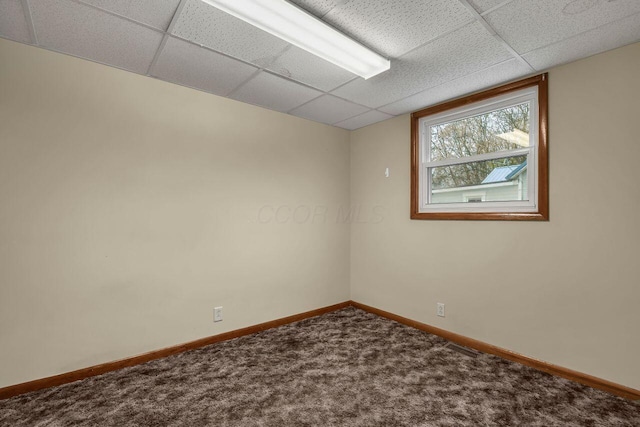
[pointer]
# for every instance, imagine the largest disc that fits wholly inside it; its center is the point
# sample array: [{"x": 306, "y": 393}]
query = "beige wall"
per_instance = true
[
  {"x": 130, "y": 207},
  {"x": 565, "y": 291}
]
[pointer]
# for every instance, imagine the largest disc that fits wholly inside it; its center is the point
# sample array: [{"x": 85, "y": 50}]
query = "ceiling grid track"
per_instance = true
[
  {"x": 126, "y": 18},
  {"x": 494, "y": 33},
  {"x": 583, "y": 33},
  {"x": 439, "y": 36},
  {"x": 26, "y": 8},
  {"x": 496, "y": 7},
  {"x": 442, "y": 85},
  {"x": 166, "y": 35},
  {"x": 163, "y": 43},
  {"x": 330, "y": 94},
  {"x": 263, "y": 69},
  {"x": 337, "y": 5}
]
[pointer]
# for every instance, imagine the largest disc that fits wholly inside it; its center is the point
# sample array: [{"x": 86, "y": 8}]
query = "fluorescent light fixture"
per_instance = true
[{"x": 292, "y": 24}]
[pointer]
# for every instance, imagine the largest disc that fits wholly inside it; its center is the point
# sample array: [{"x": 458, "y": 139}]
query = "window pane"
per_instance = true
[
  {"x": 503, "y": 129},
  {"x": 498, "y": 180}
]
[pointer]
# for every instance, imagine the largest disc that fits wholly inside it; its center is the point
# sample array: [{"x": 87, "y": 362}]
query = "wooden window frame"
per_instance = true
[{"x": 541, "y": 212}]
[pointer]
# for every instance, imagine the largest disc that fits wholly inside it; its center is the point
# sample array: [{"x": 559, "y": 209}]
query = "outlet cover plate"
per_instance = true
[{"x": 217, "y": 314}]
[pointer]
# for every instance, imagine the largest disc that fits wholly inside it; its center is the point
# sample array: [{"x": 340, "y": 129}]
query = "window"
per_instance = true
[
  {"x": 474, "y": 198},
  {"x": 483, "y": 156}
]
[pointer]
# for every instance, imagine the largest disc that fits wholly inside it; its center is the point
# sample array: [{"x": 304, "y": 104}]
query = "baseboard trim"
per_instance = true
[
  {"x": 599, "y": 383},
  {"x": 56, "y": 380}
]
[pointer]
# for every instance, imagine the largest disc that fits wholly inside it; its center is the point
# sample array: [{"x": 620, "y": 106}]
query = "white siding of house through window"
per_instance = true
[{"x": 516, "y": 189}]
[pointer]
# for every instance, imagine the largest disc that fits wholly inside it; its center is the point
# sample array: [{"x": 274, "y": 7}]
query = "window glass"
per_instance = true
[
  {"x": 501, "y": 180},
  {"x": 499, "y": 130}
]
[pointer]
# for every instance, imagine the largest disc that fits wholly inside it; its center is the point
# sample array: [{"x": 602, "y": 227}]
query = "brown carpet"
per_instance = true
[{"x": 346, "y": 368}]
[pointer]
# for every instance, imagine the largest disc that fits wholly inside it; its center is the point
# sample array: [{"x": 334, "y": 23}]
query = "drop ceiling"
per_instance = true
[{"x": 439, "y": 49}]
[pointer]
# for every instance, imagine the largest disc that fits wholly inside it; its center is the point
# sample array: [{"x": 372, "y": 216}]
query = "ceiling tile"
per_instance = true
[
  {"x": 203, "y": 24},
  {"x": 318, "y": 7},
  {"x": 484, "y": 5},
  {"x": 438, "y": 51},
  {"x": 527, "y": 25},
  {"x": 393, "y": 28},
  {"x": 363, "y": 120},
  {"x": 83, "y": 31},
  {"x": 604, "y": 38},
  {"x": 492, "y": 76},
  {"x": 302, "y": 66},
  {"x": 190, "y": 65},
  {"x": 328, "y": 109},
  {"x": 13, "y": 24},
  {"x": 157, "y": 14},
  {"x": 457, "y": 54},
  {"x": 273, "y": 92}
]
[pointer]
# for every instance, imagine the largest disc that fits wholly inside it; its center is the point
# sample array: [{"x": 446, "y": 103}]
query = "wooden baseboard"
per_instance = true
[
  {"x": 91, "y": 371},
  {"x": 599, "y": 383},
  {"x": 14, "y": 390}
]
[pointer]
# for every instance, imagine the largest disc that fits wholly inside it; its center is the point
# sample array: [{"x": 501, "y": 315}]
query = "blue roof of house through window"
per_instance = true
[{"x": 504, "y": 173}]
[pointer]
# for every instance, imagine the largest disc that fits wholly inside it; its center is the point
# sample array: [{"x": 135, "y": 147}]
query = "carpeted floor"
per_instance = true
[{"x": 346, "y": 368}]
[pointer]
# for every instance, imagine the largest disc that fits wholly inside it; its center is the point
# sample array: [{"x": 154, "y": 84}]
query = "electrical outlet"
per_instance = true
[
  {"x": 217, "y": 314},
  {"x": 440, "y": 310}
]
